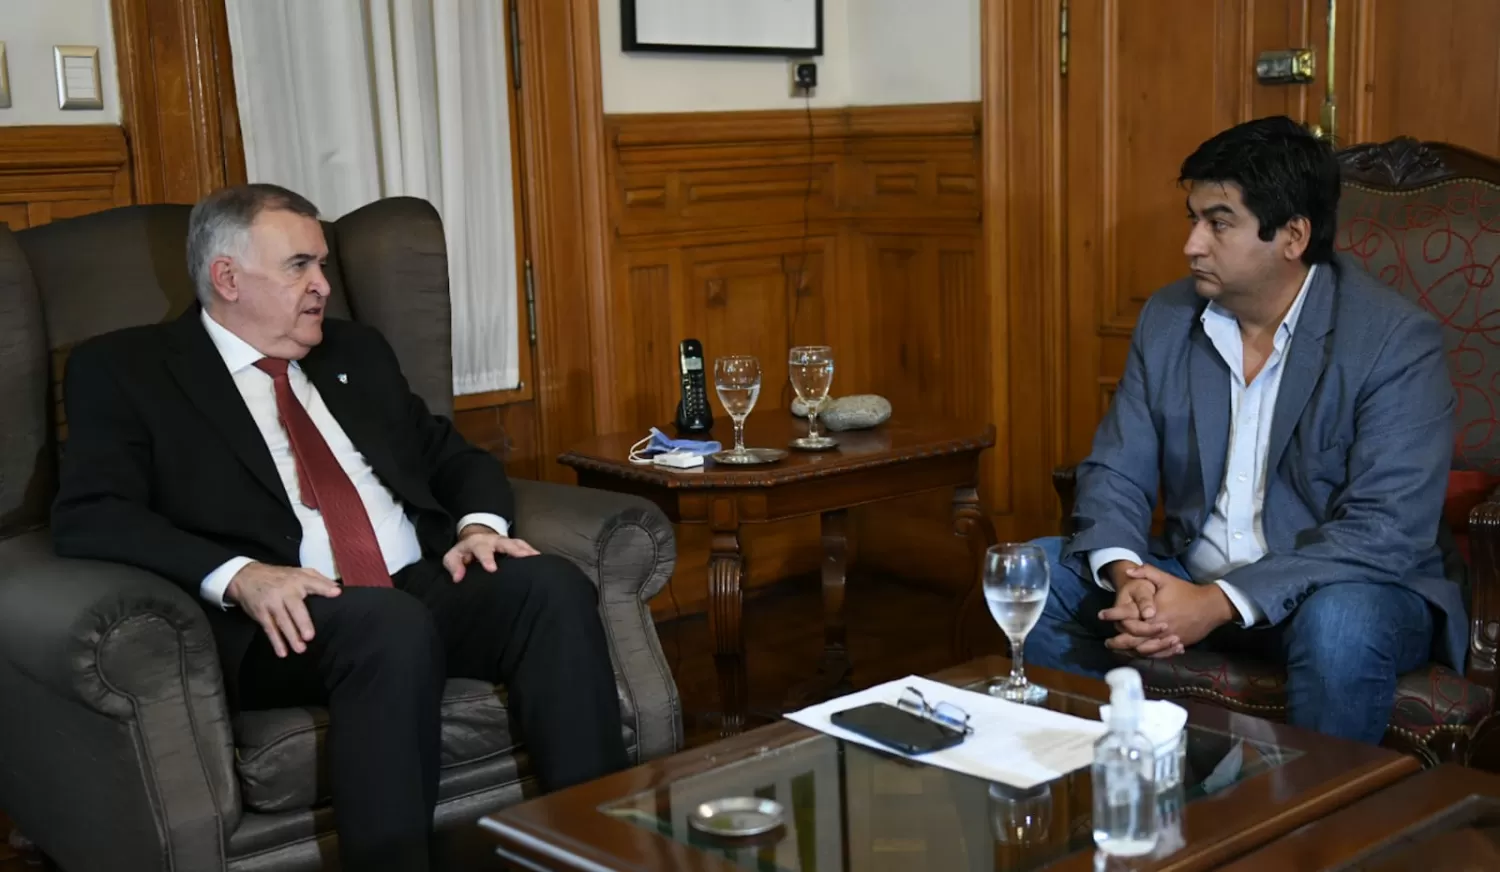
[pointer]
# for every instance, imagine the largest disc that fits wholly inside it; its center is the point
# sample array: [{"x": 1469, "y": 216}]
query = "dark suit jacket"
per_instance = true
[
  {"x": 164, "y": 468},
  {"x": 1360, "y": 447}
]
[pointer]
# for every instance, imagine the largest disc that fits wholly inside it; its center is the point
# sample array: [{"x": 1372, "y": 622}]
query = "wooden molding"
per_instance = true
[
  {"x": 562, "y": 151},
  {"x": 62, "y": 147},
  {"x": 178, "y": 98},
  {"x": 733, "y": 228},
  {"x": 52, "y": 172},
  {"x": 1023, "y": 243},
  {"x": 627, "y": 132}
]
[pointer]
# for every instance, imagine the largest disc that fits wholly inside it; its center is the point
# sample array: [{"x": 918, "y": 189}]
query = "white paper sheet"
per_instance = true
[{"x": 1014, "y": 744}]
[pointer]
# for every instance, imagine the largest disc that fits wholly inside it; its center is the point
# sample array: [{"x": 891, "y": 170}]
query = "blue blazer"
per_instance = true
[{"x": 1359, "y": 454}]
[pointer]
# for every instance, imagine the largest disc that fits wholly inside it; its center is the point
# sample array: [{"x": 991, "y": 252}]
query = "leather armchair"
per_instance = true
[
  {"x": 118, "y": 749},
  {"x": 1424, "y": 218}
]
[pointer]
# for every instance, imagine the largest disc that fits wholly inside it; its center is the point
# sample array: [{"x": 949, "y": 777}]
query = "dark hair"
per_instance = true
[
  {"x": 1282, "y": 171},
  {"x": 221, "y": 220}
]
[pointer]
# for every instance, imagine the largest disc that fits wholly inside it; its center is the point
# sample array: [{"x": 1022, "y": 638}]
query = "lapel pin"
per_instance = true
[{"x": 343, "y": 378}]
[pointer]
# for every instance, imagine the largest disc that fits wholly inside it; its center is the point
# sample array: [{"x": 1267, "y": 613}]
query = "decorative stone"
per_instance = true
[{"x": 859, "y": 412}]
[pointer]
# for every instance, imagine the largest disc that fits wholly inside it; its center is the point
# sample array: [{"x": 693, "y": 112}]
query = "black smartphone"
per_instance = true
[{"x": 897, "y": 728}]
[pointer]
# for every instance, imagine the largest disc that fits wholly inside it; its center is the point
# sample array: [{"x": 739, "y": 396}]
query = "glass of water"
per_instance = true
[
  {"x": 737, "y": 379},
  {"x": 1016, "y": 581},
  {"x": 811, "y": 370}
]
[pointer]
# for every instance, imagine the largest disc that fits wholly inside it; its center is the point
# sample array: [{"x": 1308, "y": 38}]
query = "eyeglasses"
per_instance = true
[{"x": 945, "y": 713}]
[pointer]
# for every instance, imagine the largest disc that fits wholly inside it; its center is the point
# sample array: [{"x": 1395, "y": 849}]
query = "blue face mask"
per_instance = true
[{"x": 660, "y": 443}]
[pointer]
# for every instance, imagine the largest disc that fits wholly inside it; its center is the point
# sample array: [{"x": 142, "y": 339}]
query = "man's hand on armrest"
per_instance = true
[{"x": 273, "y": 596}]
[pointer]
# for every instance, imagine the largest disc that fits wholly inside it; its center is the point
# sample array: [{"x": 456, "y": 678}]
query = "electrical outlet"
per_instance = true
[{"x": 804, "y": 78}]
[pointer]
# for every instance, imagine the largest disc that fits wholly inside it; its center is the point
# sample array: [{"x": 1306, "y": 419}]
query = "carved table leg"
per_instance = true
[
  {"x": 833, "y": 671},
  {"x": 725, "y": 607},
  {"x": 971, "y": 522}
]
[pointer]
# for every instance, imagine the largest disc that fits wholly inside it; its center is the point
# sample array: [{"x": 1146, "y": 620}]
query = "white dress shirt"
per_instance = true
[
  {"x": 1233, "y": 536},
  {"x": 393, "y": 529}
]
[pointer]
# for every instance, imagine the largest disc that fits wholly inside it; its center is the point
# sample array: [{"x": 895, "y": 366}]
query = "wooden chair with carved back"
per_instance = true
[{"x": 1425, "y": 219}]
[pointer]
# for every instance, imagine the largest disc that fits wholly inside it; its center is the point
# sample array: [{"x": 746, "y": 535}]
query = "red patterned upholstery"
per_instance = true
[
  {"x": 1438, "y": 244},
  {"x": 1425, "y": 700},
  {"x": 1439, "y": 247}
]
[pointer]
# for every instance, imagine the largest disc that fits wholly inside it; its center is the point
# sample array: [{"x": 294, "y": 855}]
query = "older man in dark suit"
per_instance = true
[{"x": 350, "y": 548}]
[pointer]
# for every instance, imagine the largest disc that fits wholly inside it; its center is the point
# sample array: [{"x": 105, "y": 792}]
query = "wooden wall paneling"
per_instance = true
[
  {"x": 508, "y": 431},
  {"x": 1021, "y": 261},
  {"x": 178, "y": 98},
  {"x": 53, "y": 172},
  {"x": 563, "y": 163},
  {"x": 732, "y": 228},
  {"x": 1414, "y": 68}
]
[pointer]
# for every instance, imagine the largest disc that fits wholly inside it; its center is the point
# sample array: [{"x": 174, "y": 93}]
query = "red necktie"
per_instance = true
[{"x": 326, "y": 487}]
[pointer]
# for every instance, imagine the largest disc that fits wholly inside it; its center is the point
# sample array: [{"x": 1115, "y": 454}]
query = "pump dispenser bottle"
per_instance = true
[{"x": 1124, "y": 775}]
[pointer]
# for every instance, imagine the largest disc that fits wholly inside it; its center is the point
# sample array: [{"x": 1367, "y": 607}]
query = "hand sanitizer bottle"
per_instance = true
[{"x": 1124, "y": 773}]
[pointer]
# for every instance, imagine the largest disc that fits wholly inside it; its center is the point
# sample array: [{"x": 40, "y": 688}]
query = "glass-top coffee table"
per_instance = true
[{"x": 849, "y": 807}]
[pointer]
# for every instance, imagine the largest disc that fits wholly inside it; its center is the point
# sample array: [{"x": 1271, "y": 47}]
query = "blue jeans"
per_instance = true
[{"x": 1343, "y": 647}]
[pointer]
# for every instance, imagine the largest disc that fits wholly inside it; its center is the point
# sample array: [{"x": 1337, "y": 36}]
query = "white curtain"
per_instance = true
[{"x": 348, "y": 101}]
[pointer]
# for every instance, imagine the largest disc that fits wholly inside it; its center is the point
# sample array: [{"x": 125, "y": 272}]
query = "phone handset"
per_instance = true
[{"x": 694, "y": 417}]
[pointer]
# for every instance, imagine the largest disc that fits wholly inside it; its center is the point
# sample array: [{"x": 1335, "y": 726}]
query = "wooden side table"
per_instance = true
[{"x": 898, "y": 459}]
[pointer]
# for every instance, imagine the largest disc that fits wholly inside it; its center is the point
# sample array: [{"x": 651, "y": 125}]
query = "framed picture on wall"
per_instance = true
[{"x": 767, "y": 27}]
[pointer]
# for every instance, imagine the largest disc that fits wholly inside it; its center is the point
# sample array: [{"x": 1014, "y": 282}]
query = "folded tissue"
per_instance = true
[{"x": 1164, "y": 725}]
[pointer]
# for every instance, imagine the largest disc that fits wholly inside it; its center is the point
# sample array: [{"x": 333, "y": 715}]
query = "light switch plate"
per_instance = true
[
  {"x": 78, "y": 82},
  {"x": 4, "y": 80}
]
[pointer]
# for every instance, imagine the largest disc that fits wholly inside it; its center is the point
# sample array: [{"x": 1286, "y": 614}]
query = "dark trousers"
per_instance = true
[
  {"x": 378, "y": 661},
  {"x": 1343, "y": 647}
]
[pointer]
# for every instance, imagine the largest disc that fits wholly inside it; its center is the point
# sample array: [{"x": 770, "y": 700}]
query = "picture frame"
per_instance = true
[
  {"x": 79, "y": 85},
  {"x": 786, "y": 28}
]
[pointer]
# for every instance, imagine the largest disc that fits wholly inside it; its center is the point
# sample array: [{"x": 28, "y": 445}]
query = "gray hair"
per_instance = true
[{"x": 220, "y": 225}]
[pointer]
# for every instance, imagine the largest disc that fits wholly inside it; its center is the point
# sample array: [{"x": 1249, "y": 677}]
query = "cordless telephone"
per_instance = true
[{"x": 693, "y": 414}]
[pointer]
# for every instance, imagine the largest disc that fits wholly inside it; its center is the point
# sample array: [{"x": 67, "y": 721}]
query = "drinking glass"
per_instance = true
[
  {"x": 1015, "y": 588},
  {"x": 811, "y": 371},
  {"x": 737, "y": 379},
  {"x": 1020, "y": 816}
]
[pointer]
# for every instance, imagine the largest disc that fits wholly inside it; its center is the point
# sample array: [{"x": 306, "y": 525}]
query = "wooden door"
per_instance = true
[
  {"x": 1145, "y": 85},
  {"x": 1429, "y": 69},
  {"x": 1148, "y": 81}
]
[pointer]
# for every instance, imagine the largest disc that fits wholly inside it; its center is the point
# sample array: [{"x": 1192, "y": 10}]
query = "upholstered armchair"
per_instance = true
[
  {"x": 1425, "y": 219},
  {"x": 118, "y": 749}
]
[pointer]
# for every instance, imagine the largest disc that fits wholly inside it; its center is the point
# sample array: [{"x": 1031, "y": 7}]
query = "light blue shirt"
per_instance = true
[{"x": 1233, "y": 536}]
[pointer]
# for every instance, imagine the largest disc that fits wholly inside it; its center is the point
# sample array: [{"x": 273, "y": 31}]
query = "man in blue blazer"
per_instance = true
[{"x": 1296, "y": 417}]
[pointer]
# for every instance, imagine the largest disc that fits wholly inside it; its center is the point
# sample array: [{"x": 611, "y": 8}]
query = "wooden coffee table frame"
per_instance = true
[
  {"x": 895, "y": 460},
  {"x": 1417, "y": 807},
  {"x": 567, "y": 831}
]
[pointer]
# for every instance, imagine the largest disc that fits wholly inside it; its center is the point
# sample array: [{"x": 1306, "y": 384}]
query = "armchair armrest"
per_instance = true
[
  {"x": 625, "y": 544},
  {"x": 118, "y": 746},
  {"x": 1484, "y": 605}
]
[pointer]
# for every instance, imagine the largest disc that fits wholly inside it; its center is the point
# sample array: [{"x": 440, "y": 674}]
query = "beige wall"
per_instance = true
[
  {"x": 875, "y": 52},
  {"x": 29, "y": 29}
]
